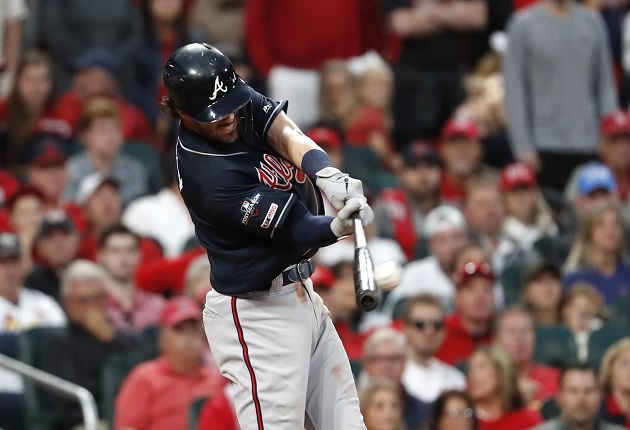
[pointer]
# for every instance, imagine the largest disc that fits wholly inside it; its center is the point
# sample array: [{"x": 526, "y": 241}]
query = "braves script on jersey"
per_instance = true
[{"x": 237, "y": 196}]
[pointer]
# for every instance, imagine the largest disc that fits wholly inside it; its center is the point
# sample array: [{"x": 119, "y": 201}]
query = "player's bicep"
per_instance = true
[{"x": 258, "y": 210}]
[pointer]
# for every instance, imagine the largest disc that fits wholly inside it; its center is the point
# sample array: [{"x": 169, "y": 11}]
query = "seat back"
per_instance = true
[
  {"x": 600, "y": 340},
  {"x": 194, "y": 411},
  {"x": 555, "y": 346}
]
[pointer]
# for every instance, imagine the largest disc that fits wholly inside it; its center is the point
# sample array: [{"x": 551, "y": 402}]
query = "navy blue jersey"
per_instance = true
[{"x": 239, "y": 196}]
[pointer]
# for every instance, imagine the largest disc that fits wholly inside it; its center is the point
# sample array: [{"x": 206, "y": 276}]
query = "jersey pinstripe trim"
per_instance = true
[
  {"x": 206, "y": 153},
  {"x": 281, "y": 214},
  {"x": 272, "y": 116},
  {"x": 248, "y": 363}
]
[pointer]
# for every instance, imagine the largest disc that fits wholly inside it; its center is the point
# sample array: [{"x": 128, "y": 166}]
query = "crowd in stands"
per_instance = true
[{"x": 492, "y": 138}]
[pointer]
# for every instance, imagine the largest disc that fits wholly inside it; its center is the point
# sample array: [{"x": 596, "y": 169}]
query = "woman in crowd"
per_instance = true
[
  {"x": 493, "y": 386},
  {"x": 542, "y": 293},
  {"x": 597, "y": 255},
  {"x": 29, "y": 108},
  {"x": 381, "y": 406},
  {"x": 452, "y": 410},
  {"x": 615, "y": 380}
]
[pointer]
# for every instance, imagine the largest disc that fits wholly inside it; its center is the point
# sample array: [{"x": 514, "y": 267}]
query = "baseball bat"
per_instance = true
[{"x": 365, "y": 288}]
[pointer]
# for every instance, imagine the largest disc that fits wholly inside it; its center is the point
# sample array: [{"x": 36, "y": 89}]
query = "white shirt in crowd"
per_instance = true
[
  {"x": 34, "y": 309},
  {"x": 427, "y": 383},
  {"x": 163, "y": 217}
]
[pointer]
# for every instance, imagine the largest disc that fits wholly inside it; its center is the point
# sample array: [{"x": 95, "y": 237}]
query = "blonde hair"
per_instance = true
[
  {"x": 96, "y": 108},
  {"x": 366, "y": 396},
  {"x": 611, "y": 355},
  {"x": 507, "y": 377},
  {"x": 580, "y": 255}
]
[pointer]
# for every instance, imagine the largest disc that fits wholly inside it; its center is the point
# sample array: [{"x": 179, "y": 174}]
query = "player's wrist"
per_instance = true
[{"x": 316, "y": 161}]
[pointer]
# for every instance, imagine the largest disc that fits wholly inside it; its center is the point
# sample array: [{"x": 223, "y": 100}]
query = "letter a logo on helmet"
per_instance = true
[{"x": 201, "y": 82}]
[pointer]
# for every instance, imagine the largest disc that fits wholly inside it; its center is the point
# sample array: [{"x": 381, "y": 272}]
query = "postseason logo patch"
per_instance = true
[{"x": 248, "y": 208}]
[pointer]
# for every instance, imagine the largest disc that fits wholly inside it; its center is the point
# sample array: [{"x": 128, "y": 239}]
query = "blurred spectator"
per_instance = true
[
  {"x": 12, "y": 13},
  {"x": 471, "y": 324},
  {"x": 163, "y": 217},
  {"x": 94, "y": 77},
  {"x": 452, "y": 410},
  {"x": 597, "y": 255},
  {"x": 165, "y": 275},
  {"x": 429, "y": 72},
  {"x": 158, "y": 394},
  {"x": 473, "y": 251},
  {"x": 330, "y": 141},
  {"x": 381, "y": 406},
  {"x": 384, "y": 358},
  {"x": 493, "y": 386},
  {"x": 221, "y": 20},
  {"x": 338, "y": 98},
  {"x": 615, "y": 381},
  {"x": 553, "y": 114},
  {"x": 20, "y": 309},
  {"x": 484, "y": 212},
  {"x": 197, "y": 279},
  {"x": 101, "y": 134},
  {"x": 595, "y": 184},
  {"x": 580, "y": 307},
  {"x": 48, "y": 171},
  {"x": 218, "y": 413},
  {"x": 400, "y": 212},
  {"x": 56, "y": 246},
  {"x": 289, "y": 41},
  {"x": 542, "y": 292},
  {"x": 128, "y": 307},
  {"x": 425, "y": 376},
  {"x": 579, "y": 401},
  {"x": 445, "y": 229},
  {"x": 165, "y": 29},
  {"x": 461, "y": 150},
  {"x": 70, "y": 28},
  {"x": 25, "y": 211},
  {"x": 614, "y": 153},
  {"x": 8, "y": 185},
  {"x": 514, "y": 331},
  {"x": 29, "y": 109},
  {"x": 528, "y": 217},
  {"x": 79, "y": 352}
]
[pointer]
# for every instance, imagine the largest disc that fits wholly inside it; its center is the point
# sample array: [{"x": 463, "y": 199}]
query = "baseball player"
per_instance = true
[{"x": 250, "y": 180}]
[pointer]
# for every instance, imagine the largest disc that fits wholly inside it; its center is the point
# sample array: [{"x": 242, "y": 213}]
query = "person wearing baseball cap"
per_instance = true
[
  {"x": 470, "y": 325},
  {"x": 462, "y": 152},
  {"x": 158, "y": 393},
  {"x": 528, "y": 217},
  {"x": 330, "y": 141},
  {"x": 399, "y": 211}
]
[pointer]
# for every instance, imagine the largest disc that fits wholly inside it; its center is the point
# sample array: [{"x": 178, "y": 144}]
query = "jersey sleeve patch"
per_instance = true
[{"x": 249, "y": 208}]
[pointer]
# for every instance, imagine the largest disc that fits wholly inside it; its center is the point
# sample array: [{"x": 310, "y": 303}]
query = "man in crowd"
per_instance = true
[
  {"x": 425, "y": 376},
  {"x": 471, "y": 324},
  {"x": 579, "y": 401},
  {"x": 158, "y": 394}
]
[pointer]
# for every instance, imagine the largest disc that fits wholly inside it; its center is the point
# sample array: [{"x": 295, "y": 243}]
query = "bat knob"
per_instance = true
[{"x": 368, "y": 303}]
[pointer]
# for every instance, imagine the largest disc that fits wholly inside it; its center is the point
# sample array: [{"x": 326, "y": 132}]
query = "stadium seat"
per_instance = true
[
  {"x": 600, "y": 340},
  {"x": 37, "y": 413},
  {"x": 364, "y": 164},
  {"x": 549, "y": 409},
  {"x": 194, "y": 411},
  {"x": 511, "y": 279},
  {"x": 555, "y": 346},
  {"x": 621, "y": 312},
  {"x": 356, "y": 366}
]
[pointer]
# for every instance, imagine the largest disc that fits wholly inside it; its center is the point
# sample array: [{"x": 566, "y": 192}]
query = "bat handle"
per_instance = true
[{"x": 359, "y": 232}]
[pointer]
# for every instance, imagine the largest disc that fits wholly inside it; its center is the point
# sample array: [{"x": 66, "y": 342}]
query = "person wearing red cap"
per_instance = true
[
  {"x": 158, "y": 394},
  {"x": 528, "y": 217},
  {"x": 614, "y": 152},
  {"x": 462, "y": 152},
  {"x": 471, "y": 324}
]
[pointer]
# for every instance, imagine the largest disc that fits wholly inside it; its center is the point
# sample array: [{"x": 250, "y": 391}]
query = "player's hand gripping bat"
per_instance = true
[{"x": 366, "y": 290}]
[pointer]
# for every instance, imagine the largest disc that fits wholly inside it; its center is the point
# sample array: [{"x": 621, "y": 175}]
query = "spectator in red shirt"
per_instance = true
[
  {"x": 128, "y": 307},
  {"x": 493, "y": 386},
  {"x": 514, "y": 331},
  {"x": 29, "y": 109},
  {"x": 158, "y": 394},
  {"x": 615, "y": 381},
  {"x": 8, "y": 185},
  {"x": 94, "y": 76},
  {"x": 462, "y": 152},
  {"x": 471, "y": 324}
]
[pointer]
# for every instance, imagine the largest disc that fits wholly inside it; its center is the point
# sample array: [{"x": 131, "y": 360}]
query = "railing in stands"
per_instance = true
[{"x": 59, "y": 386}]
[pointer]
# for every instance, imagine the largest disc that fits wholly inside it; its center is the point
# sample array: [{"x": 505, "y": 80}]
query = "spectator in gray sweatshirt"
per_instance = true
[{"x": 559, "y": 85}]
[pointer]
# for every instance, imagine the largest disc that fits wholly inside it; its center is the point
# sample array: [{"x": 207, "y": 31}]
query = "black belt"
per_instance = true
[{"x": 298, "y": 272}]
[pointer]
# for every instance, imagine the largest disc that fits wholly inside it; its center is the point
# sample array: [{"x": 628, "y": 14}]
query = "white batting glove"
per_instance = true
[
  {"x": 342, "y": 225},
  {"x": 338, "y": 186}
]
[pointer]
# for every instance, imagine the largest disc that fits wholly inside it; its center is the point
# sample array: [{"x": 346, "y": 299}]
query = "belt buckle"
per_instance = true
[{"x": 303, "y": 274}]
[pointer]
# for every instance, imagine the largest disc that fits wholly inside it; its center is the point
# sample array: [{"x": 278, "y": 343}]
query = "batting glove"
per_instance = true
[
  {"x": 338, "y": 186},
  {"x": 342, "y": 225}
]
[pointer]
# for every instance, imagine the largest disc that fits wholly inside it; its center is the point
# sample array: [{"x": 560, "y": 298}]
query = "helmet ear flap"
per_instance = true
[{"x": 246, "y": 118}]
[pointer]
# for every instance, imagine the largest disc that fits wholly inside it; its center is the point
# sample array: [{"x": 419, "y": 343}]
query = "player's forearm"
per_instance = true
[
  {"x": 306, "y": 229},
  {"x": 288, "y": 140}
]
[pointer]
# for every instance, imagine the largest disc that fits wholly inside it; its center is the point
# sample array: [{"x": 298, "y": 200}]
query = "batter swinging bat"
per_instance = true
[{"x": 365, "y": 288}]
